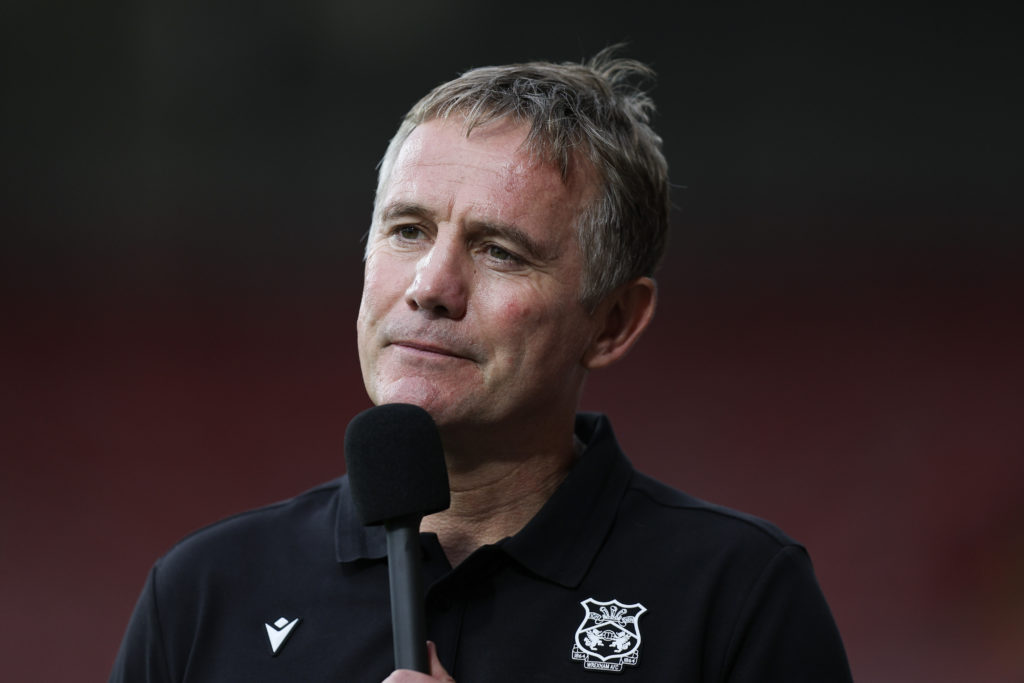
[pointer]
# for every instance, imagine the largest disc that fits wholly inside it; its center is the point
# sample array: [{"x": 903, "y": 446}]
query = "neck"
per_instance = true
[{"x": 495, "y": 497}]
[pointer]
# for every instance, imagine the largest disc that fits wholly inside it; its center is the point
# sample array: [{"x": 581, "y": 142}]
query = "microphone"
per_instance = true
[{"x": 397, "y": 475}]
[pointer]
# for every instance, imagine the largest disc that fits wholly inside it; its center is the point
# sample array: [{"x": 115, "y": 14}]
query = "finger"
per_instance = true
[
  {"x": 437, "y": 670},
  {"x": 409, "y": 676}
]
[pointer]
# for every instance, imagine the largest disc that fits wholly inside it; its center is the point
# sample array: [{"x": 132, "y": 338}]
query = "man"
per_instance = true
[{"x": 520, "y": 214}]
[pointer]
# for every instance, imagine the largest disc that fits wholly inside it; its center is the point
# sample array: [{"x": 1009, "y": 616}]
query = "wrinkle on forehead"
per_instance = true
[
  {"x": 521, "y": 170},
  {"x": 529, "y": 153}
]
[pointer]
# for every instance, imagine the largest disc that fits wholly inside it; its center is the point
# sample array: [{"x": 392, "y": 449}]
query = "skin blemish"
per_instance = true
[{"x": 515, "y": 178}]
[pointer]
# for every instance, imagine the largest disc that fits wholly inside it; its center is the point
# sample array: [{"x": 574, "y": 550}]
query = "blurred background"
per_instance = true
[{"x": 838, "y": 348}]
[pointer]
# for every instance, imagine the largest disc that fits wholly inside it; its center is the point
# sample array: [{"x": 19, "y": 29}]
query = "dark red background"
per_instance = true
[{"x": 838, "y": 347}]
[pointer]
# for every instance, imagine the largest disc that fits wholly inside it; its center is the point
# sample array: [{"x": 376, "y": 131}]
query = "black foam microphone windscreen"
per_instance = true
[{"x": 395, "y": 463}]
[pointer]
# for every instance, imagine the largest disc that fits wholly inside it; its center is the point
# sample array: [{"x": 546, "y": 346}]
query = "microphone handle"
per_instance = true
[{"x": 408, "y": 618}]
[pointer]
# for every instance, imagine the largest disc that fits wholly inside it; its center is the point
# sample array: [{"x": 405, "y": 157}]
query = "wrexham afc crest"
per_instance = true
[{"x": 609, "y": 636}]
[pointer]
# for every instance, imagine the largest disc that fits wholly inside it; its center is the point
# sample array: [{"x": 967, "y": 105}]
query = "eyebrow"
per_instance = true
[
  {"x": 403, "y": 209},
  {"x": 531, "y": 248}
]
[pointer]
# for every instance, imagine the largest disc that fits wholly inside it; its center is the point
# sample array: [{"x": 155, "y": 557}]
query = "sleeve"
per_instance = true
[
  {"x": 785, "y": 631},
  {"x": 141, "y": 658}
]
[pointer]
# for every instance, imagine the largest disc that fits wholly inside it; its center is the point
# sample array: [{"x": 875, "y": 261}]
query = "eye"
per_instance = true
[
  {"x": 408, "y": 232},
  {"x": 499, "y": 254},
  {"x": 503, "y": 259}
]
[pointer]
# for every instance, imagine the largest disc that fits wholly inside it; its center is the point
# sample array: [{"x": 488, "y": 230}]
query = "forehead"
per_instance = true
[{"x": 490, "y": 168}]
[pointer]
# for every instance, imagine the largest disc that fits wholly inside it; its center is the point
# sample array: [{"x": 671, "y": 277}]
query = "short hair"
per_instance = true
[{"x": 595, "y": 110}]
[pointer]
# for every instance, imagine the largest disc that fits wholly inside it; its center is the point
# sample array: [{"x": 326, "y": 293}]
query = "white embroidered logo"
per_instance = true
[
  {"x": 279, "y": 632},
  {"x": 609, "y": 635}
]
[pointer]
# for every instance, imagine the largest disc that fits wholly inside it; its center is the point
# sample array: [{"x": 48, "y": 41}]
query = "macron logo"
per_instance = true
[{"x": 279, "y": 632}]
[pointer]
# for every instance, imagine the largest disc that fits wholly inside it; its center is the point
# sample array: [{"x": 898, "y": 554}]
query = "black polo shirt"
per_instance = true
[{"x": 617, "y": 575}]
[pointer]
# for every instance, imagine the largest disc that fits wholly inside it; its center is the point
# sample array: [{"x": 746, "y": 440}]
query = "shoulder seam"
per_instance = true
[
  {"x": 761, "y": 526},
  {"x": 729, "y": 653},
  {"x": 159, "y": 625},
  {"x": 326, "y": 486}
]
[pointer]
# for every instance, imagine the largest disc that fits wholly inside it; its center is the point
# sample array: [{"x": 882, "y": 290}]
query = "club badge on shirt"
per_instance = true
[{"x": 608, "y": 638}]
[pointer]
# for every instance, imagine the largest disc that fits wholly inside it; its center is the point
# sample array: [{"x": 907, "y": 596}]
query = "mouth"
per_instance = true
[{"x": 427, "y": 349}]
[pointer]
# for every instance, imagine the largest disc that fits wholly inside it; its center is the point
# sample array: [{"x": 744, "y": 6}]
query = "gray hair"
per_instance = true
[{"x": 592, "y": 110}]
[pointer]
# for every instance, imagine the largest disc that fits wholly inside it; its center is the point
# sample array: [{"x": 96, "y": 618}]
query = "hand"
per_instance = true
[{"x": 437, "y": 672}]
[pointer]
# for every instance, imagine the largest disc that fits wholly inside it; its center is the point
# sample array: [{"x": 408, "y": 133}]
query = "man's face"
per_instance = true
[{"x": 470, "y": 303}]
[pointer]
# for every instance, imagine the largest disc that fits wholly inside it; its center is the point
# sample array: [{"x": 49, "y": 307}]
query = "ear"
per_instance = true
[{"x": 621, "y": 318}]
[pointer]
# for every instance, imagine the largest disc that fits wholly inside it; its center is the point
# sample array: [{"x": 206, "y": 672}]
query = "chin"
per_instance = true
[{"x": 414, "y": 390}]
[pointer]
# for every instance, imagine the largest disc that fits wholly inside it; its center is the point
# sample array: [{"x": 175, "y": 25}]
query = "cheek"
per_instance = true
[
  {"x": 367, "y": 310},
  {"x": 542, "y": 329},
  {"x": 381, "y": 284},
  {"x": 374, "y": 304},
  {"x": 515, "y": 312}
]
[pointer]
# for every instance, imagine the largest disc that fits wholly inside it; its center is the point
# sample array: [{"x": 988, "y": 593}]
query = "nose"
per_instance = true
[{"x": 441, "y": 285}]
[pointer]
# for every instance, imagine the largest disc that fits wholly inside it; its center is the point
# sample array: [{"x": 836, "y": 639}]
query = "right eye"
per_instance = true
[{"x": 409, "y": 232}]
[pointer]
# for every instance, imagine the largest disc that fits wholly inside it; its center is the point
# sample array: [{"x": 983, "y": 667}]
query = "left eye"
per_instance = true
[{"x": 499, "y": 254}]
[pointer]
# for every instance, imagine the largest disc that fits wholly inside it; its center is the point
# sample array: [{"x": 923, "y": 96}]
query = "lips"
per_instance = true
[{"x": 432, "y": 348}]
